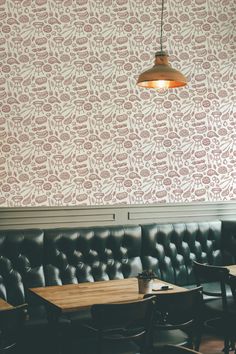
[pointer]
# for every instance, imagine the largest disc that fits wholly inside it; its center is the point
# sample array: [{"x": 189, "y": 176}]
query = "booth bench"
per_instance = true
[{"x": 38, "y": 258}]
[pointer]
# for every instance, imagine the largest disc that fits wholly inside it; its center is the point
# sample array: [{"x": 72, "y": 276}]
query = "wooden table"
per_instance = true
[
  {"x": 232, "y": 269},
  {"x": 4, "y": 305},
  {"x": 73, "y": 297}
]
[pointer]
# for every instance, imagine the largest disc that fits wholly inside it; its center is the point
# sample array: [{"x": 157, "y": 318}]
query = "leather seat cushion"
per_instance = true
[
  {"x": 89, "y": 346},
  {"x": 36, "y": 336},
  {"x": 174, "y": 337},
  {"x": 79, "y": 322},
  {"x": 213, "y": 287},
  {"x": 38, "y": 317},
  {"x": 215, "y": 305},
  {"x": 79, "y": 317}
]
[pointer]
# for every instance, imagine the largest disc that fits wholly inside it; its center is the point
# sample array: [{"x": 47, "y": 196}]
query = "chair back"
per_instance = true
[
  {"x": 123, "y": 315},
  {"x": 217, "y": 300},
  {"x": 177, "y": 310},
  {"x": 123, "y": 322},
  {"x": 232, "y": 284},
  {"x": 11, "y": 322},
  {"x": 209, "y": 273},
  {"x": 205, "y": 273}
]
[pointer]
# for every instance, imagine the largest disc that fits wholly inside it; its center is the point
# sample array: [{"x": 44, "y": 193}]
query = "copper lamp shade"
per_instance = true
[{"x": 161, "y": 75}]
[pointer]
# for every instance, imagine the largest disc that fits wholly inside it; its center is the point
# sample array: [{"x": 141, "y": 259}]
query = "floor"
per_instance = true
[{"x": 212, "y": 345}]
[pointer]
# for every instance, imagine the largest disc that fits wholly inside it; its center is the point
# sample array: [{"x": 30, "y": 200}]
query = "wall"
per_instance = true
[{"x": 76, "y": 130}]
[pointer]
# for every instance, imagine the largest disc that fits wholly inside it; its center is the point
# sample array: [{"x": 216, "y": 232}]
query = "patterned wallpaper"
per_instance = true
[{"x": 76, "y": 130}]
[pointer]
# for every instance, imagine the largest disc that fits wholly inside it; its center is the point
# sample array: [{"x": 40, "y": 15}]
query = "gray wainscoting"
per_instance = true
[{"x": 52, "y": 217}]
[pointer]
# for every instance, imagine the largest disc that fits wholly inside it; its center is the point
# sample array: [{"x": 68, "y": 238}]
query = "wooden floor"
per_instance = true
[{"x": 212, "y": 345}]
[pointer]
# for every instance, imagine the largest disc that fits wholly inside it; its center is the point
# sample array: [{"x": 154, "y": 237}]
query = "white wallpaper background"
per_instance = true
[{"x": 76, "y": 130}]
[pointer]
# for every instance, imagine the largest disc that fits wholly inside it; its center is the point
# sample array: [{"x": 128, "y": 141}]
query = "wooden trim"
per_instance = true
[{"x": 51, "y": 217}]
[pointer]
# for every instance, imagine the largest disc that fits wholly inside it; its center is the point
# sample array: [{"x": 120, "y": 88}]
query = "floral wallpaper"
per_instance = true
[{"x": 76, "y": 130}]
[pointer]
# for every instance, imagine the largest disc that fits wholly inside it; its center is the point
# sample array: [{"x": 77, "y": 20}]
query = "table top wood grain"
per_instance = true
[
  {"x": 4, "y": 305},
  {"x": 72, "y": 297}
]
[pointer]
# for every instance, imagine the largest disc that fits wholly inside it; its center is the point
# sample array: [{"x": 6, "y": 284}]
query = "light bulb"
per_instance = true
[{"x": 162, "y": 84}]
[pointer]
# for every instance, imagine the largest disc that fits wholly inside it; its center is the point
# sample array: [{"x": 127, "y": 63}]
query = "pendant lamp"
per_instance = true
[{"x": 161, "y": 75}]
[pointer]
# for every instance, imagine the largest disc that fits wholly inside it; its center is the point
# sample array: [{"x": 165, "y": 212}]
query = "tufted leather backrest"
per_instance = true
[
  {"x": 21, "y": 263},
  {"x": 34, "y": 258},
  {"x": 229, "y": 241},
  {"x": 169, "y": 249},
  {"x": 92, "y": 254}
]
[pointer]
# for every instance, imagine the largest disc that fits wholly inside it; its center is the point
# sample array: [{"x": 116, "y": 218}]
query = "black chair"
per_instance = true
[
  {"x": 121, "y": 328},
  {"x": 173, "y": 349},
  {"x": 176, "y": 318},
  {"x": 11, "y": 325},
  {"x": 217, "y": 299},
  {"x": 232, "y": 284},
  {"x": 232, "y": 311}
]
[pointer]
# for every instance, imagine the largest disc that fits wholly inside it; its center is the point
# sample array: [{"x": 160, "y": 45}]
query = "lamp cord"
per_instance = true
[{"x": 162, "y": 13}]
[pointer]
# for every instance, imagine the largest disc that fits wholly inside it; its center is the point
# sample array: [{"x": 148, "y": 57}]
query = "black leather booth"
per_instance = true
[{"x": 35, "y": 258}]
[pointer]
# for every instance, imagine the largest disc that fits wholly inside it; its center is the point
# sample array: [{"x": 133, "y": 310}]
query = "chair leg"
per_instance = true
[
  {"x": 226, "y": 345},
  {"x": 198, "y": 337},
  {"x": 190, "y": 344},
  {"x": 229, "y": 342},
  {"x": 99, "y": 343},
  {"x": 146, "y": 344},
  {"x": 232, "y": 345}
]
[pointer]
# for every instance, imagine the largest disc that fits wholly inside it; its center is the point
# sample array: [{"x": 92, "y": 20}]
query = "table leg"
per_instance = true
[{"x": 54, "y": 328}]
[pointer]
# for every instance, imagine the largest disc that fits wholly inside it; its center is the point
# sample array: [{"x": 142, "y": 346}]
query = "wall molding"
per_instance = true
[{"x": 52, "y": 217}]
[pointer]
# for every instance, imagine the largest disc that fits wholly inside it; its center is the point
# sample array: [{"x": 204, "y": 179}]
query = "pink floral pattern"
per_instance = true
[{"x": 76, "y": 130}]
